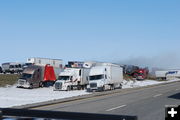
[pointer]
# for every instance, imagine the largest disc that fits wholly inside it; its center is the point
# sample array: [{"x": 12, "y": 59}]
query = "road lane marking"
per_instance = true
[
  {"x": 116, "y": 107},
  {"x": 157, "y": 95},
  {"x": 177, "y": 89}
]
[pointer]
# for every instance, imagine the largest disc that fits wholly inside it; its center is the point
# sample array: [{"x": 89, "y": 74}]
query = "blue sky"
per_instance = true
[{"x": 102, "y": 30}]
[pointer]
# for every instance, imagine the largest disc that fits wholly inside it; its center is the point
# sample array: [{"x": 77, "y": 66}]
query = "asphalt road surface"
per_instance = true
[{"x": 146, "y": 103}]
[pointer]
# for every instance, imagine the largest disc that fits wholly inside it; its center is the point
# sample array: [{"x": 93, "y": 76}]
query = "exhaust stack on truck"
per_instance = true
[{"x": 105, "y": 76}]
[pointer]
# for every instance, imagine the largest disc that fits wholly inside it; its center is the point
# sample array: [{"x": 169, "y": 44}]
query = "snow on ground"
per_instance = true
[
  {"x": 135, "y": 83},
  {"x": 12, "y": 96}
]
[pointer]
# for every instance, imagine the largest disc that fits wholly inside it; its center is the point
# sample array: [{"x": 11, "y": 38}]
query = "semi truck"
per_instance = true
[
  {"x": 12, "y": 67},
  {"x": 141, "y": 73},
  {"x": 40, "y": 72},
  {"x": 161, "y": 74},
  {"x": 167, "y": 74},
  {"x": 37, "y": 76},
  {"x": 105, "y": 76},
  {"x": 130, "y": 69},
  {"x": 72, "y": 78}
]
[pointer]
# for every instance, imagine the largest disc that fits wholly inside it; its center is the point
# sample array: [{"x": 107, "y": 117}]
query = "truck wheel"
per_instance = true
[
  {"x": 120, "y": 86},
  {"x": 112, "y": 87},
  {"x": 88, "y": 90},
  {"x": 41, "y": 84},
  {"x": 83, "y": 87},
  {"x": 79, "y": 87},
  {"x": 31, "y": 86},
  {"x": 103, "y": 88},
  {"x": 68, "y": 88}
]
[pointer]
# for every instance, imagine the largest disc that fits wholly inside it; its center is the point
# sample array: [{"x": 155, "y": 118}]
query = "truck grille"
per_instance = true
[
  {"x": 58, "y": 85},
  {"x": 93, "y": 85},
  {"x": 22, "y": 82}
]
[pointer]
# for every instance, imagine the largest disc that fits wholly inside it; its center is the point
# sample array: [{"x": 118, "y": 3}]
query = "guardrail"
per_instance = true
[{"x": 33, "y": 114}]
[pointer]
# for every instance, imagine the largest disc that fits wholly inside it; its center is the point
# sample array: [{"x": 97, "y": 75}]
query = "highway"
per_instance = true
[{"x": 148, "y": 103}]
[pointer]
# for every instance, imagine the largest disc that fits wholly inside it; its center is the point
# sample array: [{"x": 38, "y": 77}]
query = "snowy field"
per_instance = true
[
  {"x": 12, "y": 96},
  {"x": 134, "y": 84}
]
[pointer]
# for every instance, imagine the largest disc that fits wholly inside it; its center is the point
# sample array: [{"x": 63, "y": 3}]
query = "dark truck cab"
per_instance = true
[{"x": 36, "y": 76}]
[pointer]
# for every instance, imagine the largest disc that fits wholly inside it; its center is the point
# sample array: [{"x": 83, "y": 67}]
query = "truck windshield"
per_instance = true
[
  {"x": 63, "y": 77},
  {"x": 11, "y": 66},
  {"x": 96, "y": 77},
  {"x": 25, "y": 75}
]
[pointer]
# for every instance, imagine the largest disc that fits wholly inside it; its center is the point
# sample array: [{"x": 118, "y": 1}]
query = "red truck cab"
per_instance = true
[{"x": 141, "y": 74}]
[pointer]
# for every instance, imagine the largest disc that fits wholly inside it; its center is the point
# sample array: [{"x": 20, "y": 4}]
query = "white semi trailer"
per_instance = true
[
  {"x": 167, "y": 74},
  {"x": 105, "y": 76},
  {"x": 44, "y": 61},
  {"x": 72, "y": 78},
  {"x": 161, "y": 74}
]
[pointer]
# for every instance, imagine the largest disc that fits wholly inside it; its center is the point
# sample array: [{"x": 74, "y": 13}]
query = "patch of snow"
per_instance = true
[
  {"x": 12, "y": 96},
  {"x": 135, "y": 83}
]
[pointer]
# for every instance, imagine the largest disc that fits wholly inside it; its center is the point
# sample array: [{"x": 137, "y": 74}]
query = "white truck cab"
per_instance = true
[
  {"x": 105, "y": 77},
  {"x": 72, "y": 78}
]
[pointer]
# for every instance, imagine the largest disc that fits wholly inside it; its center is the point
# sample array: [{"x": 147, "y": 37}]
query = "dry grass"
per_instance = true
[
  {"x": 8, "y": 79},
  {"x": 127, "y": 77}
]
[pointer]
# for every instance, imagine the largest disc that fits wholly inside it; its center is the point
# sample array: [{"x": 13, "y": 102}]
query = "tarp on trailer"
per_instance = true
[{"x": 49, "y": 74}]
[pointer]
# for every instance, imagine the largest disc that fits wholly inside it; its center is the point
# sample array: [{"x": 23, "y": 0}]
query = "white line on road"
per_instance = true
[
  {"x": 116, "y": 108},
  {"x": 157, "y": 95},
  {"x": 177, "y": 89}
]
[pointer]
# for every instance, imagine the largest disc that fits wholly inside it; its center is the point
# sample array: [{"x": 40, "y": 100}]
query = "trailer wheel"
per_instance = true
[
  {"x": 68, "y": 88},
  {"x": 79, "y": 87},
  {"x": 31, "y": 86}
]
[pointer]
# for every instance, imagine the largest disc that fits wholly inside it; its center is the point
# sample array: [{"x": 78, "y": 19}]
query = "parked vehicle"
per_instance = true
[
  {"x": 38, "y": 76},
  {"x": 130, "y": 69},
  {"x": 173, "y": 74},
  {"x": 72, "y": 78},
  {"x": 1, "y": 69},
  {"x": 161, "y": 74},
  {"x": 167, "y": 74},
  {"x": 12, "y": 67},
  {"x": 141, "y": 73},
  {"x": 105, "y": 76}
]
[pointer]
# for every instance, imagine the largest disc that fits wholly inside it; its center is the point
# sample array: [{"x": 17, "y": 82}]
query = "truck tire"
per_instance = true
[
  {"x": 112, "y": 87},
  {"x": 68, "y": 88},
  {"x": 103, "y": 88},
  {"x": 79, "y": 87},
  {"x": 120, "y": 86},
  {"x": 31, "y": 86},
  {"x": 88, "y": 90},
  {"x": 41, "y": 84}
]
